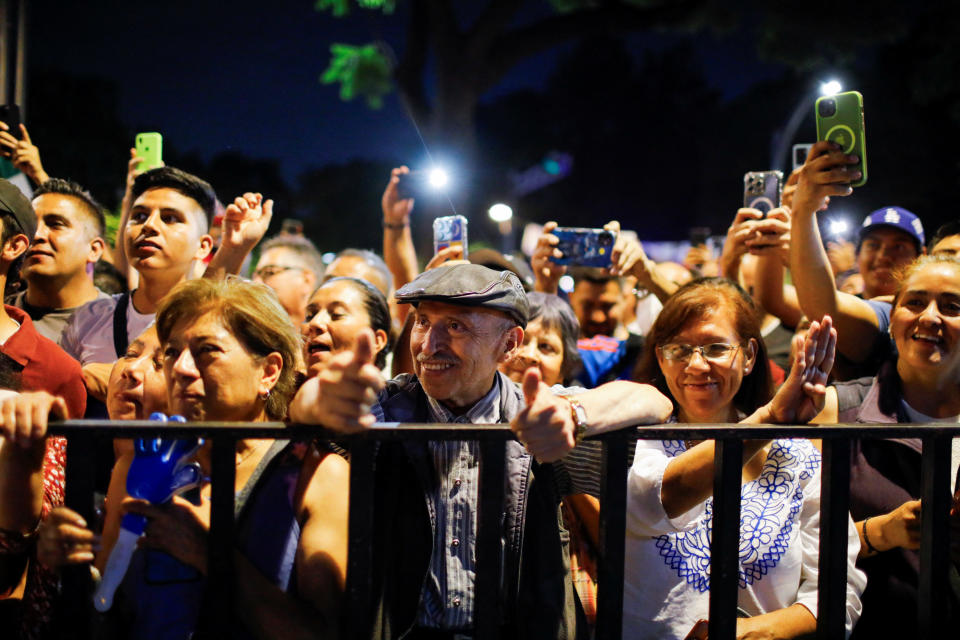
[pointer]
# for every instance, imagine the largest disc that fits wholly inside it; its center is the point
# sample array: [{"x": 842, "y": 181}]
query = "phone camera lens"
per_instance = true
[{"x": 828, "y": 108}]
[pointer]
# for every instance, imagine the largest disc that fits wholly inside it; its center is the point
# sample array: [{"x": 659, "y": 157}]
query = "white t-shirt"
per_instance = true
[
  {"x": 88, "y": 336},
  {"x": 667, "y": 574}
]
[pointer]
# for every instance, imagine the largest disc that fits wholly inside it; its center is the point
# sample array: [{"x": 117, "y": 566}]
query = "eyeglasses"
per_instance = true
[
  {"x": 719, "y": 352},
  {"x": 270, "y": 270}
]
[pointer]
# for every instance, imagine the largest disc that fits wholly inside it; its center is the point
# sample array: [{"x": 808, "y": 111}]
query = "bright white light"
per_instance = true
[
  {"x": 566, "y": 283},
  {"x": 438, "y": 178},
  {"x": 500, "y": 212},
  {"x": 838, "y": 227},
  {"x": 328, "y": 257},
  {"x": 831, "y": 87}
]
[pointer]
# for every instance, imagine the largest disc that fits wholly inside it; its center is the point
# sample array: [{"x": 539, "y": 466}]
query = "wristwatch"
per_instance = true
[{"x": 579, "y": 415}]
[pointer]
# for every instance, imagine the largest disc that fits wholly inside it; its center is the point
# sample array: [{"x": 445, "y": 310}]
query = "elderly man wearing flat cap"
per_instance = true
[{"x": 467, "y": 320}]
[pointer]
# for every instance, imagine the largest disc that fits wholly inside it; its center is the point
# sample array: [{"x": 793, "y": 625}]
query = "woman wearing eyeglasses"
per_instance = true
[{"x": 705, "y": 352}]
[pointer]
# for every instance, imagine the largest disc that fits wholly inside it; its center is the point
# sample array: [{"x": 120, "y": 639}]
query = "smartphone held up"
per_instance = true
[
  {"x": 840, "y": 120},
  {"x": 149, "y": 147},
  {"x": 584, "y": 247}
]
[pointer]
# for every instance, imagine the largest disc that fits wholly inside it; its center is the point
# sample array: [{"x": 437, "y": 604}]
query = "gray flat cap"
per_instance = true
[
  {"x": 17, "y": 205},
  {"x": 470, "y": 285}
]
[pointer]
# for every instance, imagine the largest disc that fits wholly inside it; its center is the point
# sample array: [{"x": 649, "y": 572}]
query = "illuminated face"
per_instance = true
[
  {"x": 542, "y": 348},
  {"x": 925, "y": 323},
  {"x": 456, "y": 350},
  {"x": 165, "y": 232},
  {"x": 336, "y": 314},
  {"x": 703, "y": 386},
  {"x": 882, "y": 251},
  {"x": 598, "y": 307},
  {"x": 137, "y": 387},
  {"x": 63, "y": 244},
  {"x": 212, "y": 376}
]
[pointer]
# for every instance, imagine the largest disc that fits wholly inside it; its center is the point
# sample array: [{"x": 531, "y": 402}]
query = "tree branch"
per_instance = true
[
  {"x": 493, "y": 21},
  {"x": 410, "y": 69},
  {"x": 522, "y": 42}
]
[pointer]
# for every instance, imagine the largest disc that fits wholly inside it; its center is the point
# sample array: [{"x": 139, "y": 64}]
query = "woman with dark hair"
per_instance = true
[
  {"x": 549, "y": 342},
  {"x": 705, "y": 352},
  {"x": 921, "y": 385},
  {"x": 337, "y": 312}
]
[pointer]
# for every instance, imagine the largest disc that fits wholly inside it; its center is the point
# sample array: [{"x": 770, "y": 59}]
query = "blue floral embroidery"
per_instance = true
[{"x": 769, "y": 510}]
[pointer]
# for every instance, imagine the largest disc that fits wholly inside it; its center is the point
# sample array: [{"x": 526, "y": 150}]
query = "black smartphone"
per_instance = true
[
  {"x": 10, "y": 115},
  {"x": 699, "y": 236},
  {"x": 413, "y": 184}
]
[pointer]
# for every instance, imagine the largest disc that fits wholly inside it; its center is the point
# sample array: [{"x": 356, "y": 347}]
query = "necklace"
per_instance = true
[{"x": 252, "y": 450}]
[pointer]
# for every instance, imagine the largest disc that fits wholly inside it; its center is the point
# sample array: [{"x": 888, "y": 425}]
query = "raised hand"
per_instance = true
[
  {"x": 547, "y": 273},
  {"x": 341, "y": 395},
  {"x": 628, "y": 257},
  {"x": 545, "y": 426},
  {"x": 803, "y": 393},
  {"x": 447, "y": 255},
  {"x": 245, "y": 221},
  {"x": 24, "y": 155},
  {"x": 396, "y": 210},
  {"x": 827, "y": 172}
]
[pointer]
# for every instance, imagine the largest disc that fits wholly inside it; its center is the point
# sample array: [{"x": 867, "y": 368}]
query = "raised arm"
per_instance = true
[
  {"x": 826, "y": 173},
  {"x": 399, "y": 252},
  {"x": 776, "y": 297},
  {"x": 629, "y": 258},
  {"x": 24, "y": 155},
  {"x": 245, "y": 221}
]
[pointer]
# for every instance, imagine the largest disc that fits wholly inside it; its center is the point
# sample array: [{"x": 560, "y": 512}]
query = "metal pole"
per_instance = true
[
  {"x": 834, "y": 525},
  {"x": 725, "y": 546}
]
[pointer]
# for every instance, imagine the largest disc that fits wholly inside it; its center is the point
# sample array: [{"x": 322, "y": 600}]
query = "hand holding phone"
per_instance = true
[
  {"x": 840, "y": 121},
  {"x": 761, "y": 190}
]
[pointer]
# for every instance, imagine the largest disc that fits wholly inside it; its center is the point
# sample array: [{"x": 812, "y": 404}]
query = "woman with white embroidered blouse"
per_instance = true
[{"x": 705, "y": 352}]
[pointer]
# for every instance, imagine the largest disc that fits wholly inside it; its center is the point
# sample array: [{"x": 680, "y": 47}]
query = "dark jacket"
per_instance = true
[
  {"x": 537, "y": 597},
  {"x": 884, "y": 473}
]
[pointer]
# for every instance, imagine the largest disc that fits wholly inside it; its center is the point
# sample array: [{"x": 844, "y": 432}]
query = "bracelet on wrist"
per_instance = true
[
  {"x": 866, "y": 539},
  {"x": 398, "y": 226}
]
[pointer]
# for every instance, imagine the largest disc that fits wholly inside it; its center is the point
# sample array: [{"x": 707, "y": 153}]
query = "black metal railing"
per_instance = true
[{"x": 933, "y": 588}]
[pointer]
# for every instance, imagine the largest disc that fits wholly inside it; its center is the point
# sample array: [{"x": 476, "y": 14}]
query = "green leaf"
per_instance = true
[
  {"x": 360, "y": 71},
  {"x": 341, "y": 8}
]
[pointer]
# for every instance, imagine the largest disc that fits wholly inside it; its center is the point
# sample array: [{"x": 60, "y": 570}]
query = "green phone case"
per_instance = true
[
  {"x": 150, "y": 148},
  {"x": 844, "y": 126}
]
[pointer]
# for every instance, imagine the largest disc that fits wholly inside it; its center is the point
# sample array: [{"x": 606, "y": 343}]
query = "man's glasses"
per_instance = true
[
  {"x": 270, "y": 270},
  {"x": 719, "y": 352}
]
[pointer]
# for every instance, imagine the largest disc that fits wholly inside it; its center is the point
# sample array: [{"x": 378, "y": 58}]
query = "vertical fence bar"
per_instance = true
[
  {"x": 486, "y": 611},
  {"x": 834, "y": 526},
  {"x": 935, "y": 538},
  {"x": 613, "y": 524},
  {"x": 222, "y": 543},
  {"x": 725, "y": 545},
  {"x": 360, "y": 550},
  {"x": 77, "y": 613}
]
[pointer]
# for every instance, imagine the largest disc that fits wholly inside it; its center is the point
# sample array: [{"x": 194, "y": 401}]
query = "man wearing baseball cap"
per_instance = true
[
  {"x": 889, "y": 238},
  {"x": 467, "y": 319}
]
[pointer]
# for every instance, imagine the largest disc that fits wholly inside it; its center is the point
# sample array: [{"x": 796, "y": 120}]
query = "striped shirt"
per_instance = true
[{"x": 447, "y": 599}]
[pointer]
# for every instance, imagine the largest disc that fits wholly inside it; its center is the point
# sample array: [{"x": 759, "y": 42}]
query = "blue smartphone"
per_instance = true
[
  {"x": 450, "y": 231},
  {"x": 584, "y": 247}
]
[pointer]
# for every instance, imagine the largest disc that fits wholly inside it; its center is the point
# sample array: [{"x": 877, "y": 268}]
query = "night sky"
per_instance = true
[{"x": 245, "y": 75}]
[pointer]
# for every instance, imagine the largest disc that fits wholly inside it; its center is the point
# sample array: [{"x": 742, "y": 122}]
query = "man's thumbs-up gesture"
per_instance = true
[
  {"x": 546, "y": 425},
  {"x": 341, "y": 395}
]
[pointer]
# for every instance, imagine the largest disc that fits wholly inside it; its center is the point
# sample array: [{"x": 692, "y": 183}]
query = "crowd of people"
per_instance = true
[{"x": 207, "y": 320}]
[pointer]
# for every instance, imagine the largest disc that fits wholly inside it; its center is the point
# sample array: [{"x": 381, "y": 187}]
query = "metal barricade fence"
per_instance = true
[{"x": 834, "y": 508}]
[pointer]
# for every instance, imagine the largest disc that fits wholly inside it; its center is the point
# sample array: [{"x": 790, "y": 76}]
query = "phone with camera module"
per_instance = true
[
  {"x": 699, "y": 236},
  {"x": 450, "y": 231},
  {"x": 10, "y": 115},
  {"x": 761, "y": 190},
  {"x": 584, "y": 247},
  {"x": 840, "y": 120},
  {"x": 149, "y": 148}
]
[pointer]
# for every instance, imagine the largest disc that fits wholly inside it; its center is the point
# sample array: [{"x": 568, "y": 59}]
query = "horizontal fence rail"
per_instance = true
[{"x": 933, "y": 588}]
